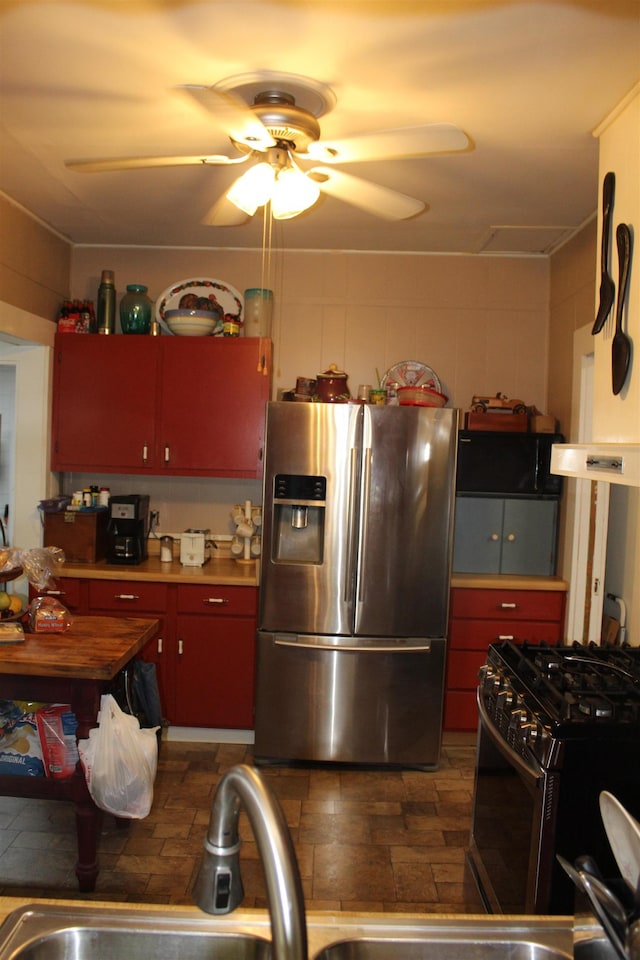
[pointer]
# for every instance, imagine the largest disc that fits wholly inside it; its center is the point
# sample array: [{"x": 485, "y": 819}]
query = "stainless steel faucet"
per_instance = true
[{"x": 218, "y": 887}]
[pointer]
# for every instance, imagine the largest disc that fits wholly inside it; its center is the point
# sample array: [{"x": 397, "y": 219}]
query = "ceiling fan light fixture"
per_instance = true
[
  {"x": 253, "y": 188},
  {"x": 293, "y": 193}
]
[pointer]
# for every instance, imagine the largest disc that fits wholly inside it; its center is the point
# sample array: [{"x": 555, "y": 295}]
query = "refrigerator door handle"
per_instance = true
[
  {"x": 422, "y": 647},
  {"x": 364, "y": 522},
  {"x": 350, "y": 565}
]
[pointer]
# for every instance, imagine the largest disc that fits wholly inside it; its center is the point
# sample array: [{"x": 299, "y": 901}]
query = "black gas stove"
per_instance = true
[
  {"x": 539, "y": 696},
  {"x": 557, "y": 725}
]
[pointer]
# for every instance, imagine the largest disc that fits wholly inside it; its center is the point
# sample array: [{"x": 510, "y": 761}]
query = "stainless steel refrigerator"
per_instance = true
[{"x": 358, "y": 507}]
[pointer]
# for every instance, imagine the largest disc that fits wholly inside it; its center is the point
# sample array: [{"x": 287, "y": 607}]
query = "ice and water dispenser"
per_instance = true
[{"x": 298, "y": 518}]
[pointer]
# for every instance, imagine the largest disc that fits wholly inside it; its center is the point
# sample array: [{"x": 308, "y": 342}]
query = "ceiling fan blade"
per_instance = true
[
  {"x": 404, "y": 142},
  {"x": 232, "y": 114},
  {"x": 134, "y": 163},
  {"x": 223, "y": 213},
  {"x": 371, "y": 197}
]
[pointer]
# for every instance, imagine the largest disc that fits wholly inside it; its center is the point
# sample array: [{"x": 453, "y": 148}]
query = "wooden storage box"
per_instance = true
[
  {"x": 81, "y": 534},
  {"x": 504, "y": 422},
  {"x": 543, "y": 423}
]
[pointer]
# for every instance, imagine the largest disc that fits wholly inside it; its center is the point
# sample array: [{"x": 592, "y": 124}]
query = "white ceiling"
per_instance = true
[{"x": 527, "y": 81}]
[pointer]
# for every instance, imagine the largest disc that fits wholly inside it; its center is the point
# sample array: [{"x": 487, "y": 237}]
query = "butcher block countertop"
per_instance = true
[
  {"x": 223, "y": 572},
  {"x": 94, "y": 648},
  {"x": 503, "y": 581}
]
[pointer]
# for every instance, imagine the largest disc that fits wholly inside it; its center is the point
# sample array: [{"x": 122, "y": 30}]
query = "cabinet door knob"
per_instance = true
[
  {"x": 159, "y": 645},
  {"x": 180, "y": 647},
  {"x": 145, "y": 453},
  {"x": 126, "y": 596},
  {"x": 505, "y": 636},
  {"x": 166, "y": 455},
  {"x": 511, "y": 537},
  {"x": 494, "y": 537},
  {"x": 215, "y": 600},
  {"x": 507, "y": 606}
]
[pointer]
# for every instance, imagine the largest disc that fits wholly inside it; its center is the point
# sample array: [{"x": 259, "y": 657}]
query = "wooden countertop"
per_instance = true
[
  {"x": 232, "y": 573},
  {"x": 94, "y": 648},
  {"x": 494, "y": 581},
  {"x": 215, "y": 572}
]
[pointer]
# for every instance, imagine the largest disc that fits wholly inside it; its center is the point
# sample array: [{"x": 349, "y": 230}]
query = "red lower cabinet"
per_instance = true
[
  {"x": 479, "y": 617},
  {"x": 204, "y": 649},
  {"x": 128, "y": 598},
  {"x": 215, "y": 657}
]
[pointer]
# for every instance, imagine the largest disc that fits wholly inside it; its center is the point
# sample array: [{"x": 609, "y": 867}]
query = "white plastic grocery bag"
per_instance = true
[{"x": 120, "y": 760}]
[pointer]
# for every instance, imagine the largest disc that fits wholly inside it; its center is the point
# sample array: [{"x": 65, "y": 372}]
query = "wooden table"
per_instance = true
[{"x": 75, "y": 667}]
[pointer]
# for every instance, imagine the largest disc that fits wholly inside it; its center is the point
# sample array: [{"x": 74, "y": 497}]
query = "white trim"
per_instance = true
[{"x": 590, "y": 511}]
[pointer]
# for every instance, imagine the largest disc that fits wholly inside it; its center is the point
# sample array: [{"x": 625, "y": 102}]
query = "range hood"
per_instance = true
[{"x": 611, "y": 462}]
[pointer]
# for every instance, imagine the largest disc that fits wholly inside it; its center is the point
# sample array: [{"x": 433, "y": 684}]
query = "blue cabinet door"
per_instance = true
[
  {"x": 529, "y": 537},
  {"x": 477, "y": 544},
  {"x": 496, "y": 535}
]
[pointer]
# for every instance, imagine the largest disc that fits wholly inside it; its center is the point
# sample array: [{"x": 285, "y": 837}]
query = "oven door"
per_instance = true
[{"x": 513, "y": 825}]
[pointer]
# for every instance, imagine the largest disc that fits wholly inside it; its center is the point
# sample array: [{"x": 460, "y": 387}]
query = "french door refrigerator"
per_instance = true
[{"x": 357, "y": 538}]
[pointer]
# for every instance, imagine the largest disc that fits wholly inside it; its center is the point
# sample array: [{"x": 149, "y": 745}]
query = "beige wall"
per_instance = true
[
  {"x": 480, "y": 322},
  {"x": 571, "y": 306},
  {"x": 34, "y": 263}
]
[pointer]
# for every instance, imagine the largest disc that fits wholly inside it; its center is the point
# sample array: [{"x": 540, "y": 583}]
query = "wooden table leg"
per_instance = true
[
  {"x": 88, "y": 822},
  {"x": 88, "y": 816}
]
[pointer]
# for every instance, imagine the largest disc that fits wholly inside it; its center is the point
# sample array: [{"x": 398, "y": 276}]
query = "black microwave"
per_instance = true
[{"x": 500, "y": 464}]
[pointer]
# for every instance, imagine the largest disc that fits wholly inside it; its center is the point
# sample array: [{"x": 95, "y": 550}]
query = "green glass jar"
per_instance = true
[{"x": 135, "y": 310}]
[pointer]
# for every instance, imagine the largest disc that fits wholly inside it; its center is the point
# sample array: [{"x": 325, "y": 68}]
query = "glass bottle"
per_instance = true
[{"x": 135, "y": 310}]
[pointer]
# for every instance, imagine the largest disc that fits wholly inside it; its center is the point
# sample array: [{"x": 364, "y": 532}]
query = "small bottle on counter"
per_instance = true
[
  {"x": 103, "y": 496},
  {"x": 106, "y": 307}
]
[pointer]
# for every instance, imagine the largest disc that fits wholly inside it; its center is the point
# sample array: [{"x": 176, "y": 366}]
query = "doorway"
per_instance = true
[{"x": 28, "y": 363}]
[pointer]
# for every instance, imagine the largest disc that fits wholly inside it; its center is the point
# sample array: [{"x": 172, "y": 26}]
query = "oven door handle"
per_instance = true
[{"x": 530, "y": 768}]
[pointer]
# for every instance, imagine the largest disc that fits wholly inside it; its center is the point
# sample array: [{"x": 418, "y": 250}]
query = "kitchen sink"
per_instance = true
[
  {"x": 438, "y": 949},
  {"x": 152, "y": 932},
  {"x": 38, "y": 933}
]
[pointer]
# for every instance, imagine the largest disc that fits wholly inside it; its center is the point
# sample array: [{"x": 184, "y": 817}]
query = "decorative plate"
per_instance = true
[
  {"x": 205, "y": 294},
  {"x": 411, "y": 373}
]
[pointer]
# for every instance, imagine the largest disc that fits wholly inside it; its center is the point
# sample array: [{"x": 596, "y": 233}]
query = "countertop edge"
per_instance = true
[
  {"x": 504, "y": 581},
  {"x": 229, "y": 572},
  {"x": 325, "y": 927},
  {"x": 225, "y": 572}
]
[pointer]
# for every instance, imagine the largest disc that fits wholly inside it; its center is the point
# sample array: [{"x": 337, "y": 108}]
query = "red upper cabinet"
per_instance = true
[
  {"x": 160, "y": 405},
  {"x": 212, "y": 406},
  {"x": 104, "y": 402}
]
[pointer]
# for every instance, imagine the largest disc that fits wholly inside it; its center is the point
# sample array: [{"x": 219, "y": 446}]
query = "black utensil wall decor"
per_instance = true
[
  {"x": 607, "y": 286},
  {"x": 621, "y": 345}
]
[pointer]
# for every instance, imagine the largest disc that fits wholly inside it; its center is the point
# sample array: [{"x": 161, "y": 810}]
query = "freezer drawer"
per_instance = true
[{"x": 350, "y": 701}]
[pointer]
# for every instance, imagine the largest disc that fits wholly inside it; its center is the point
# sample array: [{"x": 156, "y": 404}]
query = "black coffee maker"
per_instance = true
[{"x": 128, "y": 528}]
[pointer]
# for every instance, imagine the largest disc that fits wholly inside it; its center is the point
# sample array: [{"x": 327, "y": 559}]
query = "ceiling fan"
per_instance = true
[{"x": 272, "y": 120}]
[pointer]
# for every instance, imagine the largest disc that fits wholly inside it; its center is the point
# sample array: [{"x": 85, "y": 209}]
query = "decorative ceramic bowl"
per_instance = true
[
  {"x": 193, "y": 323},
  {"x": 420, "y": 397}
]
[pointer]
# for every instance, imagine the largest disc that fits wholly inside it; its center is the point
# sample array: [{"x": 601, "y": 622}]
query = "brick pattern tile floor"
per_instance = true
[{"x": 366, "y": 839}]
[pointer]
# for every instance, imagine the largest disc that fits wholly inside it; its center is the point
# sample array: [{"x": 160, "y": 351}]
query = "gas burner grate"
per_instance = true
[{"x": 576, "y": 684}]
